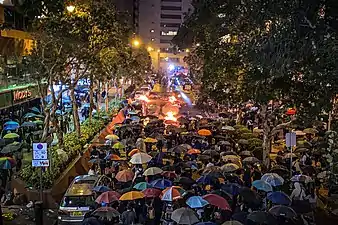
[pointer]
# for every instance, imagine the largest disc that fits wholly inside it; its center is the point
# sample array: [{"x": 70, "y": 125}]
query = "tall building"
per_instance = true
[{"x": 159, "y": 21}]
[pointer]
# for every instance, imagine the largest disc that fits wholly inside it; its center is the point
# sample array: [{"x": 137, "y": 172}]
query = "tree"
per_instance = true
[{"x": 267, "y": 51}]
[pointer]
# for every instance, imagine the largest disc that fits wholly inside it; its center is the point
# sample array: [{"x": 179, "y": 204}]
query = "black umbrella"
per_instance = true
[
  {"x": 220, "y": 137},
  {"x": 226, "y": 143},
  {"x": 308, "y": 170},
  {"x": 185, "y": 181},
  {"x": 284, "y": 211},
  {"x": 178, "y": 149},
  {"x": 280, "y": 170},
  {"x": 210, "y": 152},
  {"x": 28, "y": 124},
  {"x": 248, "y": 195},
  {"x": 250, "y": 160},
  {"x": 261, "y": 218},
  {"x": 203, "y": 157},
  {"x": 13, "y": 147},
  {"x": 228, "y": 153},
  {"x": 245, "y": 153},
  {"x": 243, "y": 142},
  {"x": 241, "y": 217}
]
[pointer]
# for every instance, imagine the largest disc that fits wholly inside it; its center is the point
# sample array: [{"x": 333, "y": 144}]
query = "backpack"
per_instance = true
[{"x": 151, "y": 212}]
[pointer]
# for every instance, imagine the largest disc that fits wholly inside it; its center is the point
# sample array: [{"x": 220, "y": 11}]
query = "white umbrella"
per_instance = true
[
  {"x": 152, "y": 171},
  {"x": 140, "y": 158}
]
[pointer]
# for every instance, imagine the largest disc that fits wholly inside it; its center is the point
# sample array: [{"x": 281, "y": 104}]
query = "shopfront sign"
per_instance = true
[{"x": 21, "y": 95}]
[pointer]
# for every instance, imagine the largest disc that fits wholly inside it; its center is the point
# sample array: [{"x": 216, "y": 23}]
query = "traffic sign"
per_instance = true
[
  {"x": 40, "y": 151},
  {"x": 290, "y": 140},
  {"x": 40, "y": 163}
]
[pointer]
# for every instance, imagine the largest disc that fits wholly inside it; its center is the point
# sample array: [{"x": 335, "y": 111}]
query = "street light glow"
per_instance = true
[
  {"x": 150, "y": 49},
  {"x": 171, "y": 67},
  {"x": 70, "y": 8},
  {"x": 136, "y": 43}
]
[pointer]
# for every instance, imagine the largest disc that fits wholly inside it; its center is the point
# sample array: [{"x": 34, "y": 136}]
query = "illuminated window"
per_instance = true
[{"x": 169, "y": 33}]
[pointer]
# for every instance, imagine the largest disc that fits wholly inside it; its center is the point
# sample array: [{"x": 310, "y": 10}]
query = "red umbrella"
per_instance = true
[
  {"x": 124, "y": 176},
  {"x": 217, "y": 201},
  {"x": 169, "y": 174},
  {"x": 151, "y": 192},
  {"x": 108, "y": 197}
]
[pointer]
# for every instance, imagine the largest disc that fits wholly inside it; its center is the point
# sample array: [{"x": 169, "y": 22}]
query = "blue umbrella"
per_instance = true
[
  {"x": 161, "y": 183},
  {"x": 132, "y": 113},
  {"x": 11, "y": 127},
  {"x": 35, "y": 109},
  {"x": 279, "y": 198},
  {"x": 11, "y": 123},
  {"x": 204, "y": 179},
  {"x": 205, "y": 223},
  {"x": 273, "y": 179},
  {"x": 135, "y": 118},
  {"x": 262, "y": 185},
  {"x": 101, "y": 189},
  {"x": 196, "y": 202},
  {"x": 29, "y": 115},
  {"x": 232, "y": 188},
  {"x": 28, "y": 124}
]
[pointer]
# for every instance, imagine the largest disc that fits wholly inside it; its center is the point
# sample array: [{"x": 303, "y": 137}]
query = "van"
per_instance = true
[{"x": 79, "y": 198}]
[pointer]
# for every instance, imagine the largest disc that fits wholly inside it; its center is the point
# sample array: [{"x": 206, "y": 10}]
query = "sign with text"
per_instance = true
[
  {"x": 40, "y": 151},
  {"x": 40, "y": 163},
  {"x": 21, "y": 95},
  {"x": 290, "y": 140}
]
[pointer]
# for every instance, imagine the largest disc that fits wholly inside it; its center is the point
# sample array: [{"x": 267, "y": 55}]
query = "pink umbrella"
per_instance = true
[
  {"x": 217, "y": 201},
  {"x": 108, "y": 197}
]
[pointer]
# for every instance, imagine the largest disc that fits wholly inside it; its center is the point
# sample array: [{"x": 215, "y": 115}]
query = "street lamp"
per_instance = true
[
  {"x": 136, "y": 43},
  {"x": 70, "y": 8},
  {"x": 150, "y": 49}
]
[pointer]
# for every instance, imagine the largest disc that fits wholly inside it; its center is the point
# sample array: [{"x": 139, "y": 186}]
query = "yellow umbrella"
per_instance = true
[
  {"x": 133, "y": 152},
  {"x": 204, "y": 132},
  {"x": 150, "y": 140},
  {"x": 112, "y": 137},
  {"x": 11, "y": 135},
  {"x": 118, "y": 145},
  {"x": 132, "y": 195}
]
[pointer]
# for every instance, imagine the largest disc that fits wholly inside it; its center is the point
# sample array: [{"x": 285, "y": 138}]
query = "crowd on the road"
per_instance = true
[{"x": 199, "y": 172}]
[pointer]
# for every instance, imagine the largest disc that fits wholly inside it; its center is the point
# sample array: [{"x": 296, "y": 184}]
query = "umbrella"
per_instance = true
[
  {"x": 177, "y": 149},
  {"x": 280, "y": 170},
  {"x": 150, "y": 140},
  {"x": 135, "y": 118},
  {"x": 301, "y": 150},
  {"x": 205, "y": 223},
  {"x": 133, "y": 152},
  {"x": 228, "y": 128},
  {"x": 196, "y": 202},
  {"x": 205, "y": 179},
  {"x": 13, "y": 147},
  {"x": 7, "y": 163},
  {"x": 151, "y": 192},
  {"x": 290, "y": 155},
  {"x": 28, "y": 124},
  {"x": 11, "y": 123},
  {"x": 29, "y": 115},
  {"x": 152, "y": 171},
  {"x": 241, "y": 217},
  {"x": 101, "y": 189},
  {"x": 106, "y": 213},
  {"x": 38, "y": 122},
  {"x": 112, "y": 137},
  {"x": 35, "y": 109},
  {"x": 262, "y": 185},
  {"x": 132, "y": 195},
  {"x": 245, "y": 153},
  {"x": 184, "y": 216},
  {"x": 301, "y": 178},
  {"x": 243, "y": 142},
  {"x": 210, "y": 152},
  {"x": 185, "y": 180},
  {"x": 132, "y": 113},
  {"x": 11, "y": 135},
  {"x": 284, "y": 211},
  {"x": 279, "y": 198},
  {"x": 141, "y": 186},
  {"x": 193, "y": 151},
  {"x": 114, "y": 157},
  {"x": 231, "y": 188},
  {"x": 140, "y": 158},
  {"x": 232, "y": 159},
  {"x": 273, "y": 179},
  {"x": 310, "y": 131},
  {"x": 251, "y": 160},
  {"x": 217, "y": 201},
  {"x": 11, "y": 127},
  {"x": 108, "y": 197},
  {"x": 248, "y": 195},
  {"x": 225, "y": 143},
  {"x": 230, "y": 167},
  {"x": 261, "y": 218},
  {"x": 186, "y": 146},
  {"x": 118, "y": 145},
  {"x": 124, "y": 176},
  {"x": 232, "y": 222},
  {"x": 161, "y": 183},
  {"x": 169, "y": 174},
  {"x": 172, "y": 193},
  {"x": 204, "y": 132},
  {"x": 95, "y": 161}
]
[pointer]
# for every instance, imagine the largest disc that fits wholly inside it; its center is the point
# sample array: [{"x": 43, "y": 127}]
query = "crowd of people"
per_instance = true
[{"x": 199, "y": 172}]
